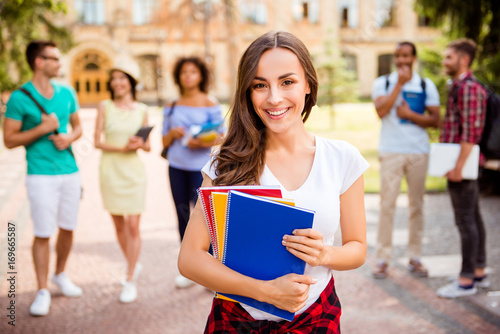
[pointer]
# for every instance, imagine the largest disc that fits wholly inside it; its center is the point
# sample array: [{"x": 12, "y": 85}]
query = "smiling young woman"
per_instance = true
[{"x": 268, "y": 144}]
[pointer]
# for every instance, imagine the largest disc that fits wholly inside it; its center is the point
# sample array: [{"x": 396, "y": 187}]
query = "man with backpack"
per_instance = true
[
  {"x": 464, "y": 124},
  {"x": 37, "y": 118},
  {"x": 407, "y": 104}
]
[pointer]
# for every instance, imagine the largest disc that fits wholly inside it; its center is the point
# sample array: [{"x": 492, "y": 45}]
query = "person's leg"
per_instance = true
[
  {"x": 391, "y": 173},
  {"x": 463, "y": 196},
  {"x": 416, "y": 171},
  {"x": 121, "y": 235},
  {"x": 43, "y": 206},
  {"x": 40, "y": 252},
  {"x": 133, "y": 243},
  {"x": 63, "y": 248},
  {"x": 67, "y": 217},
  {"x": 179, "y": 183}
]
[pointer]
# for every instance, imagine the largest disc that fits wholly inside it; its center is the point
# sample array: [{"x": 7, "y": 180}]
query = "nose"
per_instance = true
[{"x": 275, "y": 96}]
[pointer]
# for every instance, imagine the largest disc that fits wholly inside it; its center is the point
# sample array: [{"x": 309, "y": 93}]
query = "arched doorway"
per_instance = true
[{"x": 90, "y": 77}]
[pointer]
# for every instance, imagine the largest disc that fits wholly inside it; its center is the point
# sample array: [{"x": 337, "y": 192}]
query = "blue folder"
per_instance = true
[
  {"x": 255, "y": 228},
  {"x": 416, "y": 102}
]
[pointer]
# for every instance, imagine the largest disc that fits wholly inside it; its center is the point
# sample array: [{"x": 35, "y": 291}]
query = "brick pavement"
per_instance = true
[{"x": 401, "y": 304}]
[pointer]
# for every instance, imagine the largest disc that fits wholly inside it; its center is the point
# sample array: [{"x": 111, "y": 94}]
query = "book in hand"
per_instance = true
[
  {"x": 207, "y": 132},
  {"x": 206, "y": 205},
  {"x": 443, "y": 158},
  {"x": 144, "y": 132},
  {"x": 255, "y": 227},
  {"x": 416, "y": 102}
]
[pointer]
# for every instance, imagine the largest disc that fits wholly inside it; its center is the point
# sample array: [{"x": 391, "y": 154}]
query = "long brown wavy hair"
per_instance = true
[{"x": 240, "y": 159}]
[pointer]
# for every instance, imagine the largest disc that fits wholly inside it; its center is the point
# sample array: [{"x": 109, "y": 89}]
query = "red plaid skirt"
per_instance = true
[{"x": 321, "y": 317}]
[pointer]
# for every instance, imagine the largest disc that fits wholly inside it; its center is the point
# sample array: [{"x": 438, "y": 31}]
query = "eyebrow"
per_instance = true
[{"x": 280, "y": 77}]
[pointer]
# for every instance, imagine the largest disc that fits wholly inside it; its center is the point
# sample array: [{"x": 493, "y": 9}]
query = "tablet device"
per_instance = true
[
  {"x": 443, "y": 157},
  {"x": 144, "y": 132}
]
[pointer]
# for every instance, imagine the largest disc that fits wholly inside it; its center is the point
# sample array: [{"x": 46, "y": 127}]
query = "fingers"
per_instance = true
[{"x": 304, "y": 279}]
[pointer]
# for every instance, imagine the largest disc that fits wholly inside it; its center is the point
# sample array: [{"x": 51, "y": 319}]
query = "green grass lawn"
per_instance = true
[{"x": 358, "y": 124}]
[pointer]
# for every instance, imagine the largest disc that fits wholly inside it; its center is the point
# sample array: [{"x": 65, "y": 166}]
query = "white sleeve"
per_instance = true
[
  {"x": 431, "y": 93},
  {"x": 209, "y": 169},
  {"x": 354, "y": 166},
  {"x": 378, "y": 88}
]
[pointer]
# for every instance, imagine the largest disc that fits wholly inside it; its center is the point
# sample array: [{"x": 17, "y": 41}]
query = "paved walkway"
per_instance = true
[{"x": 399, "y": 304}]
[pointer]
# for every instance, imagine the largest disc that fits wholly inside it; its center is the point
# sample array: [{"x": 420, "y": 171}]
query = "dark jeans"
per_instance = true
[
  {"x": 465, "y": 200},
  {"x": 184, "y": 185}
]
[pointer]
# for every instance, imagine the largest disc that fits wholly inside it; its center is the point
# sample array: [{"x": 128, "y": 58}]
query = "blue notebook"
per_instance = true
[
  {"x": 416, "y": 102},
  {"x": 255, "y": 227}
]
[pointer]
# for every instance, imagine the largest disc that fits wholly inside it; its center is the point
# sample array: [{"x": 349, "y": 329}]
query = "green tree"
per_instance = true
[
  {"x": 336, "y": 82},
  {"x": 20, "y": 22},
  {"x": 478, "y": 20}
]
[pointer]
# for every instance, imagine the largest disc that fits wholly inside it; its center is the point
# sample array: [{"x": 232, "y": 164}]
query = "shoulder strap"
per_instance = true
[
  {"x": 422, "y": 83},
  {"x": 386, "y": 82},
  {"x": 172, "y": 108},
  {"x": 43, "y": 112}
]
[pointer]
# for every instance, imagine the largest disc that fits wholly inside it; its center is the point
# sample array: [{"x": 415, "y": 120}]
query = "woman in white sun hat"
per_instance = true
[{"x": 122, "y": 174}]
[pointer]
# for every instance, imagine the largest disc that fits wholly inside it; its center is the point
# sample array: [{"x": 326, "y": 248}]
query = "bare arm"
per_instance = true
[
  {"x": 431, "y": 119},
  {"x": 384, "y": 104},
  {"x": 307, "y": 244},
  {"x": 287, "y": 292},
  {"x": 13, "y": 136}
]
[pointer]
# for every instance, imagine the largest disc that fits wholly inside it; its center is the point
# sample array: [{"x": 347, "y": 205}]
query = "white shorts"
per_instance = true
[{"x": 54, "y": 201}]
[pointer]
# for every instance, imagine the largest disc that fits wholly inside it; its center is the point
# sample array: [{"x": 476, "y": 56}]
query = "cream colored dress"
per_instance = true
[{"x": 122, "y": 175}]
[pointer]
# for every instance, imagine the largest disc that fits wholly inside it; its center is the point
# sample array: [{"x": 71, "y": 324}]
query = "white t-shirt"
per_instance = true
[
  {"x": 398, "y": 137},
  {"x": 337, "y": 164}
]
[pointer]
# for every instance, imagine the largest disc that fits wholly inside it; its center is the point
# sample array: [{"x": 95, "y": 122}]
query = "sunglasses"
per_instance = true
[{"x": 51, "y": 58}]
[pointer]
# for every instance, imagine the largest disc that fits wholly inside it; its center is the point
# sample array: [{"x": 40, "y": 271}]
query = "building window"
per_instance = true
[
  {"x": 306, "y": 10},
  {"x": 254, "y": 11},
  {"x": 91, "y": 11},
  {"x": 143, "y": 11},
  {"x": 385, "y": 64},
  {"x": 150, "y": 69},
  {"x": 349, "y": 15},
  {"x": 385, "y": 13},
  {"x": 351, "y": 63}
]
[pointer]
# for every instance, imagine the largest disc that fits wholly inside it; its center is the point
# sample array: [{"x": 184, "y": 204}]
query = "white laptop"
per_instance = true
[{"x": 443, "y": 157}]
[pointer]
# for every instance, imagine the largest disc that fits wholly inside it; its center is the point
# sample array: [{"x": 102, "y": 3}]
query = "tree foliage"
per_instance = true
[
  {"x": 475, "y": 19},
  {"x": 20, "y": 22}
]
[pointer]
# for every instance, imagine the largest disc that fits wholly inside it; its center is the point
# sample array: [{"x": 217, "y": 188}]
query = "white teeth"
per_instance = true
[{"x": 277, "y": 113}]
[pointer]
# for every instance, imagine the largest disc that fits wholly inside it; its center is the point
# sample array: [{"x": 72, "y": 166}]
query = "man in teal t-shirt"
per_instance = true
[{"x": 53, "y": 180}]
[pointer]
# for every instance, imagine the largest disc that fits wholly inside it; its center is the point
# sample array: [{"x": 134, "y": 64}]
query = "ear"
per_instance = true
[{"x": 308, "y": 89}]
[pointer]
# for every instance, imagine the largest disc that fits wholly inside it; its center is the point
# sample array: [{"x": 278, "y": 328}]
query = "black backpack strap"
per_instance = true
[
  {"x": 422, "y": 84},
  {"x": 386, "y": 82},
  {"x": 43, "y": 112}
]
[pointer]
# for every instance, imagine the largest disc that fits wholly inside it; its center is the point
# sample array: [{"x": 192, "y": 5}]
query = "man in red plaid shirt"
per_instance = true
[{"x": 463, "y": 124}]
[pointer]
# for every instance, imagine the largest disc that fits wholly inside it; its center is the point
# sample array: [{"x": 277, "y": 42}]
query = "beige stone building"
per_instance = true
[{"x": 157, "y": 32}]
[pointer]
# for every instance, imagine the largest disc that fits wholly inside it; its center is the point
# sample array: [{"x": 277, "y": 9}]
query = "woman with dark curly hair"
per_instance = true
[
  {"x": 267, "y": 144},
  {"x": 186, "y": 154}
]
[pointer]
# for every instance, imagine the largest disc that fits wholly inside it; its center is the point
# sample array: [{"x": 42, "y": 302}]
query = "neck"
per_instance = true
[
  {"x": 291, "y": 140},
  {"x": 191, "y": 92},
  {"x": 124, "y": 99},
  {"x": 42, "y": 83},
  {"x": 459, "y": 73}
]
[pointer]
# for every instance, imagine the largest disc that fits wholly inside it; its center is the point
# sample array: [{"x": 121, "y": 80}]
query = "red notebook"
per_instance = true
[{"x": 204, "y": 196}]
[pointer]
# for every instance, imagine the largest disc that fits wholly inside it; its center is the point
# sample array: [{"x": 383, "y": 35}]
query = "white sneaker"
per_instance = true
[
  {"x": 135, "y": 276},
  {"x": 68, "y": 288},
  {"x": 129, "y": 292},
  {"x": 482, "y": 282},
  {"x": 182, "y": 282},
  {"x": 454, "y": 290},
  {"x": 41, "y": 304}
]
